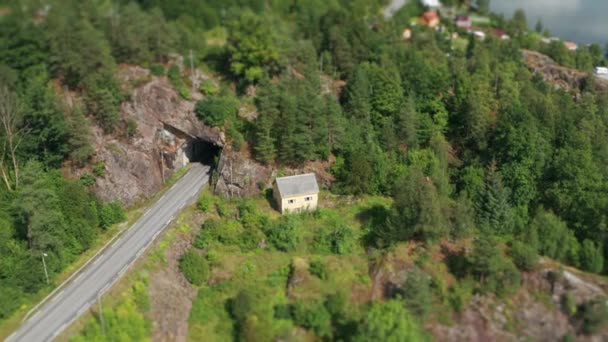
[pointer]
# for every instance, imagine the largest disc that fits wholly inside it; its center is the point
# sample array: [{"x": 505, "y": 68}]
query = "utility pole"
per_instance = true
[
  {"x": 192, "y": 71},
  {"x": 46, "y": 273},
  {"x": 101, "y": 320},
  {"x": 162, "y": 165}
]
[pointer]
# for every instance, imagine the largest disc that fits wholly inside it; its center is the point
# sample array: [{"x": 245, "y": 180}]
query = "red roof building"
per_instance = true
[
  {"x": 464, "y": 22},
  {"x": 571, "y": 46},
  {"x": 430, "y": 19}
]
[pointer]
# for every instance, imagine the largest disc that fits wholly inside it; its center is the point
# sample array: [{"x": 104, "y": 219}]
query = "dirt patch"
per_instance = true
[{"x": 171, "y": 294}]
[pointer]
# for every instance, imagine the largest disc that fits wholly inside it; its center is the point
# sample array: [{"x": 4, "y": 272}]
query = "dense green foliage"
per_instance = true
[
  {"x": 194, "y": 267},
  {"x": 41, "y": 212},
  {"x": 389, "y": 322},
  {"x": 214, "y": 111},
  {"x": 125, "y": 322}
]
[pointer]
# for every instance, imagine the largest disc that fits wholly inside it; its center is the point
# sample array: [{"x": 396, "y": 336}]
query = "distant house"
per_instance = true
[
  {"x": 434, "y": 4},
  {"x": 599, "y": 70},
  {"x": 296, "y": 193},
  {"x": 430, "y": 19},
  {"x": 501, "y": 34},
  {"x": 464, "y": 22},
  {"x": 571, "y": 45},
  {"x": 479, "y": 35}
]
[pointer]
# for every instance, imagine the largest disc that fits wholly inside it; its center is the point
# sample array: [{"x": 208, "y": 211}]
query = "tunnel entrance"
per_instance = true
[{"x": 201, "y": 151}]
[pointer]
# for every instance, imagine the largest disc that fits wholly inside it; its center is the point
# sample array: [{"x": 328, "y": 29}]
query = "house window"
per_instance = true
[
  {"x": 308, "y": 199},
  {"x": 291, "y": 201}
]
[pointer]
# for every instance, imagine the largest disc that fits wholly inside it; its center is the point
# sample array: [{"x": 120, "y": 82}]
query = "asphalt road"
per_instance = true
[{"x": 82, "y": 291}]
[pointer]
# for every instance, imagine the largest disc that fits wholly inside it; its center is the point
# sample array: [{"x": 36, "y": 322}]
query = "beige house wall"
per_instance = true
[{"x": 296, "y": 203}]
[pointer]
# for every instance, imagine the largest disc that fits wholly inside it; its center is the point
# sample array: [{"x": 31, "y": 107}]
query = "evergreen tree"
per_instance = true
[
  {"x": 264, "y": 147},
  {"x": 416, "y": 211},
  {"x": 358, "y": 94},
  {"x": 407, "y": 123},
  {"x": 250, "y": 46},
  {"x": 492, "y": 205}
]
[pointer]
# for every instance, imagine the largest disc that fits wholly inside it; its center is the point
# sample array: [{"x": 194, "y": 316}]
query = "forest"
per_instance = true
[{"x": 467, "y": 142}]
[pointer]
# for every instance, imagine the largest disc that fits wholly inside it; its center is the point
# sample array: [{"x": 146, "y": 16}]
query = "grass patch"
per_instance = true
[{"x": 285, "y": 274}]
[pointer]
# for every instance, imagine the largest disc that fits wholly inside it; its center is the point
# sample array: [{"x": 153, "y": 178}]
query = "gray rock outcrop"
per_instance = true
[{"x": 136, "y": 166}]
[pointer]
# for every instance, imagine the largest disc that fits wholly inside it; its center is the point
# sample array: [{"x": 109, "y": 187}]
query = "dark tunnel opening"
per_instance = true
[{"x": 204, "y": 152}]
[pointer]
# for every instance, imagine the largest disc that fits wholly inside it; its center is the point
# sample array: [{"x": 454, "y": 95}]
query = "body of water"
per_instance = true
[{"x": 582, "y": 21}]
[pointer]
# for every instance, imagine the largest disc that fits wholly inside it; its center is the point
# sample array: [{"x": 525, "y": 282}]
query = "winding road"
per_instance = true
[{"x": 79, "y": 294}]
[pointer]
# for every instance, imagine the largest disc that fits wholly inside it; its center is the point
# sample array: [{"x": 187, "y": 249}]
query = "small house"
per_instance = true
[
  {"x": 434, "y": 4},
  {"x": 430, "y": 19},
  {"x": 296, "y": 193},
  {"x": 479, "y": 35},
  {"x": 501, "y": 34},
  {"x": 600, "y": 70},
  {"x": 407, "y": 34},
  {"x": 571, "y": 46},
  {"x": 464, "y": 22}
]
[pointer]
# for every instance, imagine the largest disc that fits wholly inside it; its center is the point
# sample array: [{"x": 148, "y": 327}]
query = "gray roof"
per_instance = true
[{"x": 298, "y": 185}]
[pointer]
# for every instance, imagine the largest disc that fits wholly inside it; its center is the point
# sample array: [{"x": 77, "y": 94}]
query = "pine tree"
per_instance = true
[
  {"x": 358, "y": 94},
  {"x": 407, "y": 123},
  {"x": 492, "y": 205},
  {"x": 264, "y": 146}
]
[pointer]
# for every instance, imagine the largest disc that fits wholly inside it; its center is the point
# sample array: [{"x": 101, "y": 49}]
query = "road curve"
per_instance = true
[{"x": 82, "y": 292}]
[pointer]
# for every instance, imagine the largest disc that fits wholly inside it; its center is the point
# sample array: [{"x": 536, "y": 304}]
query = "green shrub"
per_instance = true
[
  {"x": 194, "y": 267},
  {"x": 111, "y": 213},
  {"x": 251, "y": 217},
  {"x": 99, "y": 169},
  {"x": 338, "y": 239},
  {"x": 207, "y": 234},
  {"x": 250, "y": 239},
  {"x": 103, "y": 100},
  {"x": 282, "y": 311},
  {"x": 285, "y": 235},
  {"x": 557, "y": 242},
  {"x": 238, "y": 140},
  {"x": 87, "y": 179},
  {"x": 417, "y": 293},
  {"x": 524, "y": 256},
  {"x": 10, "y": 297},
  {"x": 208, "y": 88},
  {"x": 205, "y": 202},
  {"x": 569, "y": 304},
  {"x": 174, "y": 73},
  {"x": 594, "y": 314},
  {"x": 495, "y": 272},
  {"x": 183, "y": 91},
  {"x": 230, "y": 232},
  {"x": 131, "y": 128},
  {"x": 389, "y": 321},
  {"x": 224, "y": 210},
  {"x": 313, "y": 316},
  {"x": 175, "y": 76},
  {"x": 157, "y": 70},
  {"x": 318, "y": 269},
  {"x": 254, "y": 313},
  {"x": 460, "y": 294},
  {"x": 591, "y": 257},
  {"x": 214, "y": 111},
  {"x": 213, "y": 257}
]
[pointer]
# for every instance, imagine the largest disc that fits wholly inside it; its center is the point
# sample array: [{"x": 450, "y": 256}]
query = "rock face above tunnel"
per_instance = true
[{"x": 135, "y": 166}]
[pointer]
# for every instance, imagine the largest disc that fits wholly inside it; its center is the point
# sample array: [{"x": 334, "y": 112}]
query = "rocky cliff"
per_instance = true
[
  {"x": 166, "y": 128},
  {"x": 561, "y": 77}
]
